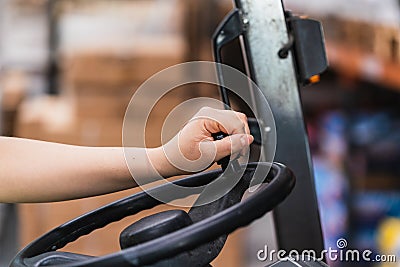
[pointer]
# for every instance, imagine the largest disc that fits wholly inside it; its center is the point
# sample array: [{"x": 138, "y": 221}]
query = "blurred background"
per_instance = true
[{"x": 69, "y": 68}]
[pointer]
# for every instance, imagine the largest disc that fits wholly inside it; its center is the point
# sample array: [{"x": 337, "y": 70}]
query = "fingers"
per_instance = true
[
  {"x": 232, "y": 145},
  {"x": 227, "y": 121},
  {"x": 230, "y": 122},
  {"x": 243, "y": 118}
]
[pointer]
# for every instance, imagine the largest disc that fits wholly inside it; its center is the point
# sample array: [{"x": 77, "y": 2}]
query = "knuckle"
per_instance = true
[
  {"x": 242, "y": 116},
  {"x": 203, "y": 110},
  {"x": 207, "y": 109}
]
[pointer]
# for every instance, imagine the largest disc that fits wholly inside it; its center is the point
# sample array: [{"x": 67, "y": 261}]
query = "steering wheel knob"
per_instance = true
[{"x": 154, "y": 226}]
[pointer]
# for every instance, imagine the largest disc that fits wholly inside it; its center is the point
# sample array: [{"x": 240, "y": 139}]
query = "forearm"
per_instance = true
[{"x": 33, "y": 171}]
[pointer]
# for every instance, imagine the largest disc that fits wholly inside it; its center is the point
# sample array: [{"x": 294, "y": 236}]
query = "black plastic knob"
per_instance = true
[{"x": 153, "y": 226}]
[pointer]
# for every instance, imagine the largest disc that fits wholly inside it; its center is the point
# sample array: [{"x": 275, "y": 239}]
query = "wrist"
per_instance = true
[{"x": 161, "y": 163}]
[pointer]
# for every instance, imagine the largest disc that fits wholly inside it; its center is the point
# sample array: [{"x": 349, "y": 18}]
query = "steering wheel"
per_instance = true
[{"x": 169, "y": 238}]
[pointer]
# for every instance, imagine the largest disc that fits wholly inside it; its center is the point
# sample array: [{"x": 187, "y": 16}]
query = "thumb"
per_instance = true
[{"x": 232, "y": 144}]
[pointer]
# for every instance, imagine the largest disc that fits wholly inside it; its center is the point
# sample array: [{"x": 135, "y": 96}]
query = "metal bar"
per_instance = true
[
  {"x": 52, "y": 68},
  {"x": 297, "y": 220}
]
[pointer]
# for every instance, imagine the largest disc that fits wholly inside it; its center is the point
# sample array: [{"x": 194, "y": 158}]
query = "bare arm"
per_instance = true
[{"x": 35, "y": 171}]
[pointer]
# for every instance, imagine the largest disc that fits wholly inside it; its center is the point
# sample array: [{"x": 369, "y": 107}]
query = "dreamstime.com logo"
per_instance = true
[{"x": 341, "y": 254}]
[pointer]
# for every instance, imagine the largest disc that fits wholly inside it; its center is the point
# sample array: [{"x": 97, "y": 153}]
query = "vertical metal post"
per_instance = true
[
  {"x": 52, "y": 71},
  {"x": 297, "y": 221}
]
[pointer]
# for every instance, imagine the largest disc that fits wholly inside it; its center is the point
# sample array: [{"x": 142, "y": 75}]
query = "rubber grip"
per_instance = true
[{"x": 225, "y": 161}]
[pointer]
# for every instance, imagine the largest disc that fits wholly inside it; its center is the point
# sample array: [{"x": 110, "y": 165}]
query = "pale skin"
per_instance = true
[{"x": 34, "y": 171}]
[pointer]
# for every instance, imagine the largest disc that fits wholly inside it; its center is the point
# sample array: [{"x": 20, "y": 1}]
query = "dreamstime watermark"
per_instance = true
[{"x": 341, "y": 253}]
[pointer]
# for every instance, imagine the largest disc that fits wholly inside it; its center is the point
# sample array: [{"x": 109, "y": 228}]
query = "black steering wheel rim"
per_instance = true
[{"x": 280, "y": 183}]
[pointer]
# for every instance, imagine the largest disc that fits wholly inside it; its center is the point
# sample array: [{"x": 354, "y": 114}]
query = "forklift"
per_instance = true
[{"x": 282, "y": 53}]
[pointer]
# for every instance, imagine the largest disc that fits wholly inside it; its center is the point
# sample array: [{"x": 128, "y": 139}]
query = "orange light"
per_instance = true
[{"x": 315, "y": 79}]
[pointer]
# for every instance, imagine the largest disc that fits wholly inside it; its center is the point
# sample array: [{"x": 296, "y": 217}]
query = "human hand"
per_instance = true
[{"x": 194, "y": 149}]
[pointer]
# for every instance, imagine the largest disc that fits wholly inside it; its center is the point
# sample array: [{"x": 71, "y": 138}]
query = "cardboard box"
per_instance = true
[
  {"x": 108, "y": 72},
  {"x": 101, "y": 106},
  {"x": 13, "y": 85},
  {"x": 387, "y": 43}
]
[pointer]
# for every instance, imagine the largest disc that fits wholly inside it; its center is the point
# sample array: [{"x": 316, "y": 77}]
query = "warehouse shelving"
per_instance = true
[{"x": 354, "y": 63}]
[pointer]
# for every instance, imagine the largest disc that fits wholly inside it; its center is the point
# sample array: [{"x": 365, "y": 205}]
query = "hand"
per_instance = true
[{"x": 193, "y": 149}]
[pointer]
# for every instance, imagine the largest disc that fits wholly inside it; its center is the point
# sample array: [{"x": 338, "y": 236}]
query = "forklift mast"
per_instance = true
[{"x": 282, "y": 53}]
